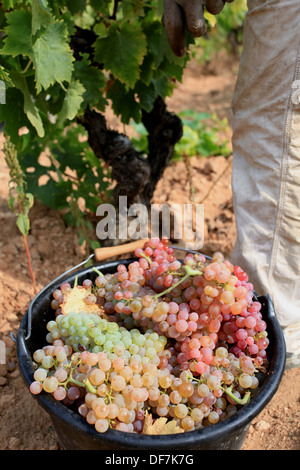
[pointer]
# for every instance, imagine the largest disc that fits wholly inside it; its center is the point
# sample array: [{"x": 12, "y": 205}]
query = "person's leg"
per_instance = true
[{"x": 266, "y": 158}]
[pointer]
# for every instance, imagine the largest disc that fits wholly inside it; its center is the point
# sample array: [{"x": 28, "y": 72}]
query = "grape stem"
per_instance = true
[
  {"x": 70, "y": 378},
  {"x": 76, "y": 382},
  {"x": 98, "y": 272},
  {"x": 192, "y": 272},
  {"x": 240, "y": 401},
  {"x": 146, "y": 257},
  {"x": 89, "y": 386},
  {"x": 189, "y": 272},
  {"x": 172, "y": 287}
]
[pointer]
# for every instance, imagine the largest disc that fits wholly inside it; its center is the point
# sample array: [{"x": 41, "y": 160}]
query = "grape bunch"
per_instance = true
[{"x": 178, "y": 339}]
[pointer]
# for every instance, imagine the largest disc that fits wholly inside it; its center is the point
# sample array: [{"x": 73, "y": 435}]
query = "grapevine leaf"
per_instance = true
[
  {"x": 146, "y": 94},
  {"x": 153, "y": 33},
  {"x": 53, "y": 59},
  {"x": 124, "y": 103},
  {"x": 30, "y": 109},
  {"x": 12, "y": 113},
  {"x": 122, "y": 51},
  {"x": 72, "y": 101},
  {"x": 93, "y": 81},
  {"x": 91, "y": 158},
  {"x": 160, "y": 7},
  {"x": 164, "y": 51},
  {"x": 161, "y": 426},
  {"x": 172, "y": 70},
  {"x": 86, "y": 19},
  {"x": 44, "y": 193},
  {"x": 76, "y": 6},
  {"x": 23, "y": 224},
  {"x": 147, "y": 68},
  {"x": 158, "y": 43},
  {"x": 41, "y": 16},
  {"x": 18, "y": 30},
  {"x": 74, "y": 301},
  {"x": 100, "y": 6},
  {"x": 163, "y": 86},
  {"x": 133, "y": 8},
  {"x": 8, "y": 4},
  {"x": 101, "y": 30}
]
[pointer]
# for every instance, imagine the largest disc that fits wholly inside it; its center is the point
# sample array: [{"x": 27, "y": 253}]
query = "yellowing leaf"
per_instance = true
[
  {"x": 160, "y": 426},
  {"x": 75, "y": 302}
]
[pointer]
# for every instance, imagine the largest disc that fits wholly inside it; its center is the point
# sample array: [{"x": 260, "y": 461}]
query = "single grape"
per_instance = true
[
  {"x": 60, "y": 394},
  {"x": 101, "y": 425},
  {"x": 50, "y": 384},
  {"x": 36, "y": 387}
]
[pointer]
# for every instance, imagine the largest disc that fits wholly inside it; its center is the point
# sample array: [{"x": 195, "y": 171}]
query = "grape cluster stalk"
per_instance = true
[{"x": 183, "y": 340}]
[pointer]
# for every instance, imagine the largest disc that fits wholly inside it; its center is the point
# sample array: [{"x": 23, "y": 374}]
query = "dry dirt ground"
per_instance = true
[{"x": 54, "y": 249}]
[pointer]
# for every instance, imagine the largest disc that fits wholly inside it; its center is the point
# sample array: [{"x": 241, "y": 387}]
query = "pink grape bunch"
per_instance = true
[
  {"x": 214, "y": 305},
  {"x": 182, "y": 339}
]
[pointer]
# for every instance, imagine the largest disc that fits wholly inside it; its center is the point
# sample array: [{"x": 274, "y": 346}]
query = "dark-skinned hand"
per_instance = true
[{"x": 182, "y": 15}]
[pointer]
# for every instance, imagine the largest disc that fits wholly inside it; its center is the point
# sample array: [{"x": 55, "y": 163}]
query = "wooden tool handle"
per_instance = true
[{"x": 112, "y": 251}]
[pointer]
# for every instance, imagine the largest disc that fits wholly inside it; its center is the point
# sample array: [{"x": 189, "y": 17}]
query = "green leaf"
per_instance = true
[
  {"x": 140, "y": 142},
  {"x": 153, "y": 31},
  {"x": 86, "y": 19},
  {"x": 30, "y": 201},
  {"x": 172, "y": 70},
  {"x": 30, "y": 109},
  {"x": 122, "y": 51},
  {"x": 23, "y": 224},
  {"x": 164, "y": 51},
  {"x": 72, "y": 101},
  {"x": 160, "y": 7},
  {"x": 53, "y": 59},
  {"x": 163, "y": 86},
  {"x": 18, "y": 30},
  {"x": 91, "y": 158},
  {"x": 95, "y": 244},
  {"x": 76, "y": 6},
  {"x": 146, "y": 94},
  {"x": 147, "y": 68},
  {"x": 11, "y": 203},
  {"x": 41, "y": 15},
  {"x": 93, "y": 81},
  {"x": 8, "y": 4},
  {"x": 101, "y": 30},
  {"x": 124, "y": 103},
  {"x": 12, "y": 113},
  {"x": 100, "y": 6},
  {"x": 44, "y": 193},
  {"x": 133, "y": 8}
]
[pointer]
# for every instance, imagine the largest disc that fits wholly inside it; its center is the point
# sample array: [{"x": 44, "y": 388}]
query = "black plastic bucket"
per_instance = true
[{"x": 74, "y": 433}]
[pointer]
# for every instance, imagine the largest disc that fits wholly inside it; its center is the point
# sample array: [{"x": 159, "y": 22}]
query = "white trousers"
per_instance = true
[{"x": 266, "y": 158}]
